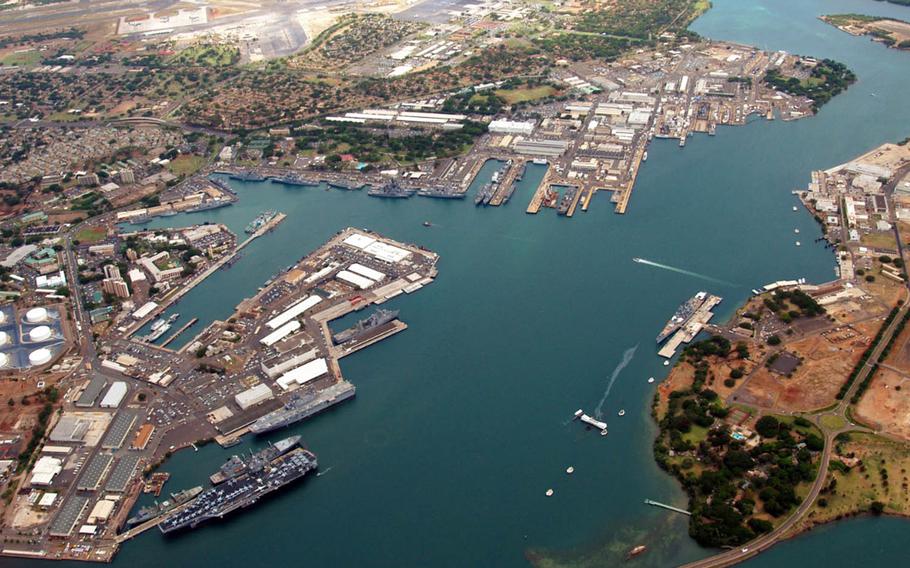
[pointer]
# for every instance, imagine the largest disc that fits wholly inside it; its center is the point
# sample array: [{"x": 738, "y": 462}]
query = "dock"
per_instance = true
[
  {"x": 174, "y": 335},
  {"x": 506, "y": 183},
  {"x": 691, "y": 328},
  {"x": 623, "y": 203},
  {"x": 151, "y": 523},
  {"x": 668, "y": 507}
]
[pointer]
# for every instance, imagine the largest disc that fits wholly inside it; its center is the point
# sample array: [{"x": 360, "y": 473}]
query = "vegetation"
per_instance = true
[
  {"x": 884, "y": 355},
  {"x": 826, "y": 80},
  {"x": 866, "y": 354}
]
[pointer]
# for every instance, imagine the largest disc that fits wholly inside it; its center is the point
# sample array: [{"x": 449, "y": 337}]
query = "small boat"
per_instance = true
[
  {"x": 796, "y": 231},
  {"x": 795, "y": 208},
  {"x": 603, "y": 432},
  {"x": 622, "y": 412},
  {"x": 650, "y": 380},
  {"x": 570, "y": 470},
  {"x": 550, "y": 493},
  {"x": 637, "y": 550},
  {"x": 797, "y": 243},
  {"x": 427, "y": 224},
  {"x": 666, "y": 363}
]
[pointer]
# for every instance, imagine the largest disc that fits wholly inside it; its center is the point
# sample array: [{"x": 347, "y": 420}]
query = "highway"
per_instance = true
[{"x": 764, "y": 542}]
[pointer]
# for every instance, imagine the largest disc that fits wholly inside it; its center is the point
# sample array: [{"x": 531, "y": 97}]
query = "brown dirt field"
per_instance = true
[
  {"x": 885, "y": 289},
  {"x": 815, "y": 382},
  {"x": 885, "y": 406},
  {"x": 900, "y": 351},
  {"x": 680, "y": 378}
]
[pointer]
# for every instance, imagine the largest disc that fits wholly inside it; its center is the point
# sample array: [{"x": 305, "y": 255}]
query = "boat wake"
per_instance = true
[
  {"x": 321, "y": 473},
  {"x": 682, "y": 271},
  {"x": 626, "y": 359}
]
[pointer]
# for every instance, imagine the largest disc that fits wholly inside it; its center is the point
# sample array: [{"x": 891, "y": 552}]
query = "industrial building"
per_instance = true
[
  {"x": 114, "y": 395},
  {"x": 253, "y": 396},
  {"x": 511, "y": 127},
  {"x": 303, "y": 374}
]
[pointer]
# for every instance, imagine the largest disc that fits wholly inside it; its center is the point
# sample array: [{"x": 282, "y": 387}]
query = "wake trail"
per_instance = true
[
  {"x": 627, "y": 356},
  {"x": 683, "y": 271}
]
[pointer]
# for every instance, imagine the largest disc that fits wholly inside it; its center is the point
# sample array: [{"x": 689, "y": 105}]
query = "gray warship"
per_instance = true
[{"x": 364, "y": 326}]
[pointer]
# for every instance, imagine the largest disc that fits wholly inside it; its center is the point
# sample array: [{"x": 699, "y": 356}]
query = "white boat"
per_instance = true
[
  {"x": 650, "y": 380},
  {"x": 796, "y": 231},
  {"x": 622, "y": 412},
  {"x": 795, "y": 208},
  {"x": 549, "y": 492},
  {"x": 797, "y": 243}
]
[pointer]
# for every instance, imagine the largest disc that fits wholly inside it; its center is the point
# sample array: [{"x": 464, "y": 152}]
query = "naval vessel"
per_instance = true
[
  {"x": 562, "y": 208},
  {"x": 153, "y": 511},
  {"x": 391, "y": 189},
  {"x": 685, "y": 311},
  {"x": 247, "y": 176},
  {"x": 242, "y": 491},
  {"x": 300, "y": 407},
  {"x": 364, "y": 326},
  {"x": 237, "y": 465},
  {"x": 292, "y": 179}
]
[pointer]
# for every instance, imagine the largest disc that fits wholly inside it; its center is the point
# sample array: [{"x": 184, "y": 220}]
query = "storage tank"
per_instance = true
[
  {"x": 4, "y": 337},
  {"x": 40, "y": 333},
  {"x": 36, "y": 315},
  {"x": 39, "y": 356},
  {"x": 4, "y": 359},
  {"x": 2, "y": 317}
]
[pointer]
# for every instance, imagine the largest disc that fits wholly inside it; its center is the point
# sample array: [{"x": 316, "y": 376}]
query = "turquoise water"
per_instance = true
[{"x": 462, "y": 422}]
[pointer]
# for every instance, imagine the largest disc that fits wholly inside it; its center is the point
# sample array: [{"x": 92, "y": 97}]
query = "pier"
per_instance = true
[
  {"x": 668, "y": 507},
  {"x": 506, "y": 183},
  {"x": 633, "y": 172},
  {"x": 174, "y": 335}
]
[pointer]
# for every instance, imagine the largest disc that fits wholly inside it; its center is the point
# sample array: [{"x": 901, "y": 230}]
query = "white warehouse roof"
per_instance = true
[
  {"x": 360, "y": 241},
  {"x": 355, "y": 279},
  {"x": 253, "y": 396},
  {"x": 304, "y": 373},
  {"x": 114, "y": 395},
  {"x": 294, "y": 311},
  {"x": 367, "y": 272},
  {"x": 280, "y": 333},
  {"x": 145, "y": 310},
  {"x": 386, "y": 252}
]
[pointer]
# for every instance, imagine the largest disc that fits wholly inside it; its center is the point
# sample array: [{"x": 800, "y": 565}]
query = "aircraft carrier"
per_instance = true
[
  {"x": 242, "y": 491},
  {"x": 364, "y": 326},
  {"x": 300, "y": 407},
  {"x": 236, "y": 465}
]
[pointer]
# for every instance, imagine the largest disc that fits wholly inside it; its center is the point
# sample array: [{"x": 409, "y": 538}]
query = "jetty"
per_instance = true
[{"x": 668, "y": 507}]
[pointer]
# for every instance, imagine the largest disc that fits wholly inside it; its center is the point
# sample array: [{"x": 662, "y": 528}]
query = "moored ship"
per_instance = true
[
  {"x": 236, "y": 465},
  {"x": 242, "y": 491},
  {"x": 153, "y": 511},
  {"x": 364, "y": 326},
  {"x": 682, "y": 315},
  {"x": 391, "y": 189},
  {"x": 300, "y": 407}
]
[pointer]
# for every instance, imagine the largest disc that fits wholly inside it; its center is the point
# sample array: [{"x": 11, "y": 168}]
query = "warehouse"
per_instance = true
[
  {"x": 280, "y": 364},
  {"x": 92, "y": 391},
  {"x": 304, "y": 374},
  {"x": 511, "y": 127},
  {"x": 114, "y": 395},
  {"x": 101, "y": 512},
  {"x": 70, "y": 429},
  {"x": 367, "y": 272},
  {"x": 46, "y": 468},
  {"x": 386, "y": 252},
  {"x": 145, "y": 310},
  {"x": 294, "y": 311},
  {"x": 354, "y": 279},
  {"x": 550, "y": 148},
  {"x": 280, "y": 333},
  {"x": 252, "y": 397}
]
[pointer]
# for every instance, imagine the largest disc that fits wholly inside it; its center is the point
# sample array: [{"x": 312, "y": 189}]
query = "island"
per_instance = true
[
  {"x": 892, "y": 32},
  {"x": 791, "y": 414}
]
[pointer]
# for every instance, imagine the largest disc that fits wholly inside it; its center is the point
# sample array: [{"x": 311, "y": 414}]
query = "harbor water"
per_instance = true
[{"x": 463, "y": 422}]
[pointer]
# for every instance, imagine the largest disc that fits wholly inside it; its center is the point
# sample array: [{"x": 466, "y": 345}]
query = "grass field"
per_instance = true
[
  {"x": 512, "y": 96},
  {"x": 207, "y": 56},
  {"x": 185, "y": 165},
  {"x": 91, "y": 235},
  {"x": 856, "y": 489},
  {"x": 22, "y": 58}
]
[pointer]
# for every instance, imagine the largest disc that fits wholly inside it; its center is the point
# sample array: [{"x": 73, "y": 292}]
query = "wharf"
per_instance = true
[
  {"x": 472, "y": 173},
  {"x": 626, "y": 195},
  {"x": 183, "y": 290},
  {"x": 174, "y": 335},
  {"x": 388, "y": 330},
  {"x": 578, "y": 196},
  {"x": 152, "y": 523},
  {"x": 506, "y": 183},
  {"x": 692, "y": 327},
  {"x": 543, "y": 190}
]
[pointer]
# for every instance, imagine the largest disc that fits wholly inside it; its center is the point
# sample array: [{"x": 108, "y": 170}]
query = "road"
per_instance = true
[{"x": 764, "y": 542}]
